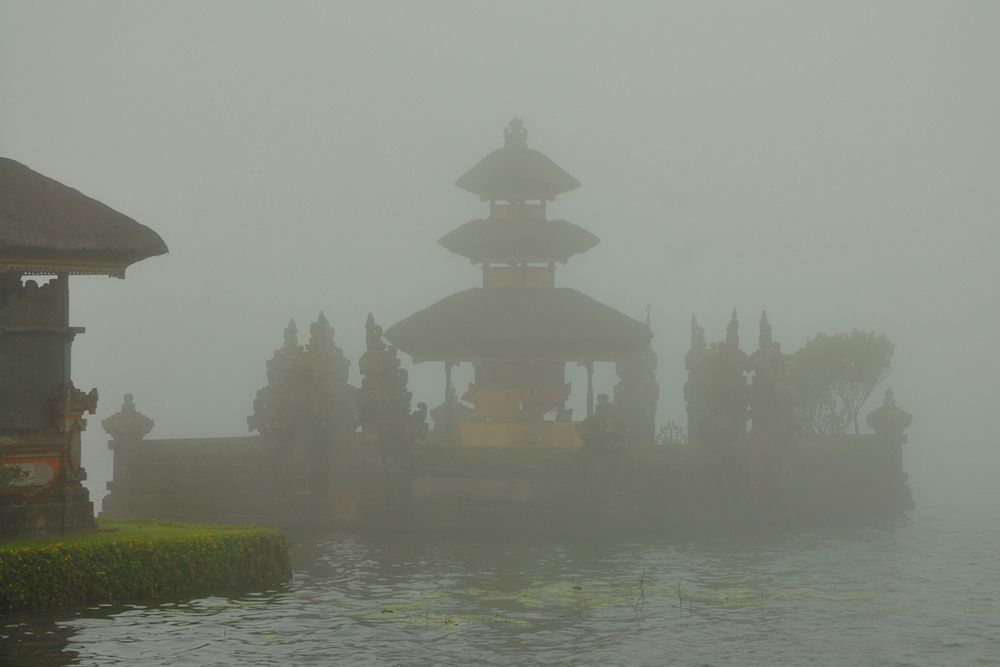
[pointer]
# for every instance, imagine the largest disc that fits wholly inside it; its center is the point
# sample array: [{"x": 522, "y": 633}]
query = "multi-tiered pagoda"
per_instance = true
[{"x": 519, "y": 330}]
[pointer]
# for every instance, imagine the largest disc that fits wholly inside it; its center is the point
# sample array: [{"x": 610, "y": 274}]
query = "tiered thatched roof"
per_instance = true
[
  {"x": 514, "y": 241},
  {"x": 516, "y": 173},
  {"x": 532, "y": 324},
  {"x": 47, "y": 227}
]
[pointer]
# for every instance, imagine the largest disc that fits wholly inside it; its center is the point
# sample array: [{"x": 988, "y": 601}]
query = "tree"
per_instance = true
[{"x": 832, "y": 376}]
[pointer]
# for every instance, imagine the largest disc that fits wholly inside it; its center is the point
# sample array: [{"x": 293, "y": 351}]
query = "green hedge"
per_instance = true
[{"x": 133, "y": 561}]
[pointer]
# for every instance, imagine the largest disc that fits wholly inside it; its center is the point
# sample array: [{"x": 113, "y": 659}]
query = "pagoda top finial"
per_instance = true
[
  {"x": 516, "y": 173},
  {"x": 515, "y": 135}
]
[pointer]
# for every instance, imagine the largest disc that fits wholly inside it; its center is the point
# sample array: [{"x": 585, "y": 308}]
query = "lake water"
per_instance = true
[{"x": 923, "y": 591}]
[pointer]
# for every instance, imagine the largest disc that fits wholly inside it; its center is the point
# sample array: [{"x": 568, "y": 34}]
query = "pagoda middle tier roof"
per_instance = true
[
  {"x": 518, "y": 240},
  {"x": 516, "y": 173},
  {"x": 544, "y": 324},
  {"x": 48, "y": 227}
]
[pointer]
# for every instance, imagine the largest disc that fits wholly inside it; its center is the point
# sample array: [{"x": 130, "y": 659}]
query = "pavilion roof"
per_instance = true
[
  {"x": 516, "y": 172},
  {"x": 48, "y": 227},
  {"x": 518, "y": 240},
  {"x": 519, "y": 323}
]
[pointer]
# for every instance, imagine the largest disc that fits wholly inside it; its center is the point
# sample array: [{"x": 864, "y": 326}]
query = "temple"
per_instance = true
[
  {"x": 519, "y": 330},
  {"x": 49, "y": 232},
  {"x": 508, "y": 455}
]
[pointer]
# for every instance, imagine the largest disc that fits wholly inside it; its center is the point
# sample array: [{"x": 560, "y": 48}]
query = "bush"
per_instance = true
[{"x": 134, "y": 561}]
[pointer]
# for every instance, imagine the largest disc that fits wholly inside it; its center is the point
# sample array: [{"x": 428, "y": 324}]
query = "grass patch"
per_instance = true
[{"x": 131, "y": 561}]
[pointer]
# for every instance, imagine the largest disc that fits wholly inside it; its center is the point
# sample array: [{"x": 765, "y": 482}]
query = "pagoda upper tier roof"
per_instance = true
[
  {"x": 516, "y": 172},
  {"x": 518, "y": 240},
  {"x": 48, "y": 227},
  {"x": 545, "y": 324}
]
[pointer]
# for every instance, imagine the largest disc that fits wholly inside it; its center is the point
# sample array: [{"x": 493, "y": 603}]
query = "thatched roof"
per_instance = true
[
  {"x": 518, "y": 240},
  {"x": 519, "y": 323},
  {"x": 47, "y": 227},
  {"x": 516, "y": 172}
]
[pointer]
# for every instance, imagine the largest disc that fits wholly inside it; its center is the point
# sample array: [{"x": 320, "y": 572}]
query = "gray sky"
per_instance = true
[{"x": 835, "y": 163}]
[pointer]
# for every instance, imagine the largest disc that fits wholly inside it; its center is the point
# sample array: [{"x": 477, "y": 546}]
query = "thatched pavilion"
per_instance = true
[
  {"x": 518, "y": 330},
  {"x": 52, "y": 231}
]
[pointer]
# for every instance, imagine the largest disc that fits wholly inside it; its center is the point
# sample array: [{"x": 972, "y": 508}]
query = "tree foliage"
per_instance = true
[{"x": 832, "y": 376}]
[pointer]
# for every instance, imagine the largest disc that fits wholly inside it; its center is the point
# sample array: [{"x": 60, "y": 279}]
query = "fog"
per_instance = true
[{"x": 836, "y": 164}]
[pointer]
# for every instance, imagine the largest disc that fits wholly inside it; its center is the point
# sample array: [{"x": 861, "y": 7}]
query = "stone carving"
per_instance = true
[
  {"x": 515, "y": 135},
  {"x": 420, "y": 428},
  {"x": 716, "y": 391},
  {"x": 333, "y": 405},
  {"x": 603, "y": 429},
  {"x": 733, "y": 332},
  {"x": 306, "y": 409},
  {"x": 128, "y": 424},
  {"x": 636, "y": 396},
  {"x": 771, "y": 420},
  {"x": 439, "y": 414},
  {"x": 278, "y": 406},
  {"x": 694, "y": 387},
  {"x": 68, "y": 406},
  {"x": 671, "y": 435},
  {"x": 307, "y": 395},
  {"x": 383, "y": 400},
  {"x": 31, "y": 304}
]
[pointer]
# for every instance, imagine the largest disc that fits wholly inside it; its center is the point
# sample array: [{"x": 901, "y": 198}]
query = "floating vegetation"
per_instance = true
[{"x": 579, "y": 599}]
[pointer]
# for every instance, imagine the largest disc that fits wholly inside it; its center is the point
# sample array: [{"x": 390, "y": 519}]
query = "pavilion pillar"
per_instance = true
[
  {"x": 62, "y": 280},
  {"x": 589, "y": 365},
  {"x": 449, "y": 403}
]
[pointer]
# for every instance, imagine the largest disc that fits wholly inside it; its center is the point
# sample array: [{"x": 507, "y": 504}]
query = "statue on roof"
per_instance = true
[{"x": 515, "y": 135}]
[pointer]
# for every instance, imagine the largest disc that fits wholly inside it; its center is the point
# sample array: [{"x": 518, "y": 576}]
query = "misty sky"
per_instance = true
[{"x": 835, "y": 163}]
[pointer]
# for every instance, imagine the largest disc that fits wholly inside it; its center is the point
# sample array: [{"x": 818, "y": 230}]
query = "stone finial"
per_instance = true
[
  {"x": 697, "y": 335},
  {"x": 291, "y": 335},
  {"x": 515, "y": 135},
  {"x": 766, "y": 340},
  {"x": 321, "y": 334},
  {"x": 373, "y": 332},
  {"x": 128, "y": 423},
  {"x": 889, "y": 419}
]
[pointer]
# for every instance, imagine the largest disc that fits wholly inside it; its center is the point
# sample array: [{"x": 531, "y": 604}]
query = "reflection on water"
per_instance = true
[{"x": 926, "y": 591}]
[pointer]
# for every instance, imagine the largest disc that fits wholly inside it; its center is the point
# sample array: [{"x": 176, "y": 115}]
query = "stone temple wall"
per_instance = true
[
  {"x": 195, "y": 479},
  {"x": 660, "y": 490}
]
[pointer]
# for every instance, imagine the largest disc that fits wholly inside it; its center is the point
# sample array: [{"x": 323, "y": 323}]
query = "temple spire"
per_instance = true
[{"x": 733, "y": 331}]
